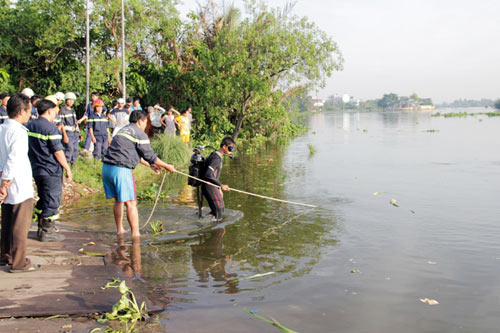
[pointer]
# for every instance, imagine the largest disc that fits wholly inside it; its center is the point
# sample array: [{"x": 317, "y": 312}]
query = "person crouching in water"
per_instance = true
[
  {"x": 46, "y": 154},
  {"x": 98, "y": 129},
  {"x": 211, "y": 173},
  {"x": 129, "y": 147}
]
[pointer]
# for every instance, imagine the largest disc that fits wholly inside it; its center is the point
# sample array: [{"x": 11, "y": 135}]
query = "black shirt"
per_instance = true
[
  {"x": 127, "y": 148},
  {"x": 44, "y": 140},
  {"x": 213, "y": 166}
]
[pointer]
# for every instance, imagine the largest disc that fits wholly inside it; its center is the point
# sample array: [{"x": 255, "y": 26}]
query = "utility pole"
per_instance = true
[
  {"x": 123, "y": 52},
  {"x": 87, "y": 57}
]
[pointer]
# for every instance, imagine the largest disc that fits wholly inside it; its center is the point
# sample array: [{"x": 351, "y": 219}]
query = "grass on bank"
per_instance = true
[{"x": 87, "y": 171}]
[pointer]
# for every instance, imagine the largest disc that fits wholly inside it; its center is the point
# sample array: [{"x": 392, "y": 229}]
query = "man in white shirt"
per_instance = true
[{"x": 16, "y": 189}]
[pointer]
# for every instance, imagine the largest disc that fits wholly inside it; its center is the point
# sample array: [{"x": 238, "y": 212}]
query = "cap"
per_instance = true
[
  {"x": 98, "y": 102},
  {"x": 28, "y": 92},
  {"x": 121, "y": 101}
]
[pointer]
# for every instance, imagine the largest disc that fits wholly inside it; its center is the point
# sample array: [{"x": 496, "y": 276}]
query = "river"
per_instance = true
[{"x": 358, "y": 263}]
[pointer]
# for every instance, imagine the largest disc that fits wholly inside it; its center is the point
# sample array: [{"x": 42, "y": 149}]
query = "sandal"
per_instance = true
[{"x": 30, "y": 268}]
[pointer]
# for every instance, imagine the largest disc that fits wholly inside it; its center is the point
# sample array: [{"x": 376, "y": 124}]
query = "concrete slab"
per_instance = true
[{"x": 67, "y": 283}]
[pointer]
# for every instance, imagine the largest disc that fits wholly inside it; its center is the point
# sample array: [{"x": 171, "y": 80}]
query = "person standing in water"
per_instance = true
[
  {"x": 129, "y": 147},
  {"x": 211, "y": 173}
]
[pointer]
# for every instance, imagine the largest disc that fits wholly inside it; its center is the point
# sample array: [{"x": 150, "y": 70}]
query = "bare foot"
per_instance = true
[{"x": 136, "y": 235}]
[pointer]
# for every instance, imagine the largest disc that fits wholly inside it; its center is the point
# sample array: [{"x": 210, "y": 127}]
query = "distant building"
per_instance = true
[{"x": 318, "y": 102}]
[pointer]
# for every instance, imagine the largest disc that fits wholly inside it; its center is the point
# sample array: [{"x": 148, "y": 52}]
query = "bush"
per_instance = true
[
  {"x": 171, "y": 150},
  {"x": 497, "y": 104},
  {"x": 87, "y": 171}
]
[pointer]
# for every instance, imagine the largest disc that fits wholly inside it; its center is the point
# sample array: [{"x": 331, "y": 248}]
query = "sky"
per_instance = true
[{"x": 442, "y": 49}]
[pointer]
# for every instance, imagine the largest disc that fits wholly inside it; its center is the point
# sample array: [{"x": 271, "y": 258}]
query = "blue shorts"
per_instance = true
[{"x": 118, "y": 183}]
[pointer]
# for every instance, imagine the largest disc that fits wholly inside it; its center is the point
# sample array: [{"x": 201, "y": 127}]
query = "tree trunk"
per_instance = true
[{"x": 241, "y": 117}]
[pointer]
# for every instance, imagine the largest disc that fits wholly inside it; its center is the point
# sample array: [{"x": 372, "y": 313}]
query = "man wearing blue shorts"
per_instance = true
[{"x": 129, "y": 147}]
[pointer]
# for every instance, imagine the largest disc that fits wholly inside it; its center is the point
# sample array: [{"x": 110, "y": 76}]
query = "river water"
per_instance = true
[{"x": 358, "y": 263}]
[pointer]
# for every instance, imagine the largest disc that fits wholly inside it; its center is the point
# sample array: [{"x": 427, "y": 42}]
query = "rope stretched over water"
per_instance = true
[
  {"x": 248, "y": 193},
  {"x": 218, "y": 187}
]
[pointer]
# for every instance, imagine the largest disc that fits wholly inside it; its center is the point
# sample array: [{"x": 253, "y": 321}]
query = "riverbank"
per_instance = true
[{"x": 66, "y": 293}]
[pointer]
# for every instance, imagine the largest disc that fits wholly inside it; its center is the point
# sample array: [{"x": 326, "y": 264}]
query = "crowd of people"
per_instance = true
[{"x": 39, "y": 139}]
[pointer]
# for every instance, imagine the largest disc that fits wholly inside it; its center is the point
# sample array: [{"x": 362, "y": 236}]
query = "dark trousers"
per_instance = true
[
  {"x": 100, "y": 146},
  {"x": 49, "y": 192},
  {"x": 88, "y": 139},
  {"x": 16, "y": 221},
  {"x": 214, "y": 199},
  {"x": 71, "y": 149}
]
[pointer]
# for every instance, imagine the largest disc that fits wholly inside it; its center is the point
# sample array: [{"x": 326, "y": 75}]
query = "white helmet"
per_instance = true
[
  {"x": 28, "y": 92},
  {"x": 59, "y": 95},
  {"x": 70, "y": 95}
]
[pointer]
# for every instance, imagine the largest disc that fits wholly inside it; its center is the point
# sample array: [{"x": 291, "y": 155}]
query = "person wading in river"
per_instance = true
[
  {"x": 129, "y": 147},
  {"x": 211, "y": 173}
]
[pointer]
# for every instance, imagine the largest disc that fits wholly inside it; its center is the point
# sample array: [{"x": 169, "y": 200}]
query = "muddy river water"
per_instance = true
[{"x": 356, "y": 264}]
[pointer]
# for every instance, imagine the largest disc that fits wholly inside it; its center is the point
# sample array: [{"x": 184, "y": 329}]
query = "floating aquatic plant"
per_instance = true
[{"x": 126, "y": 310}]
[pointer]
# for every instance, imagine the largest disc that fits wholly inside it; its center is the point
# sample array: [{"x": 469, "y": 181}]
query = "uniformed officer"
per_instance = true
[
  {"x": 4, "y": 98},
  {"x": 71, "y": 132},
  {"x": 129, "y": 147},
  {"x": 98, "y": 129},
  {"x": 46, "y": 154}
]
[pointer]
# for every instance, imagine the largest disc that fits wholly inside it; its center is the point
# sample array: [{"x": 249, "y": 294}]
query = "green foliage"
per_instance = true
[
  {"x": 87, "y": 171},
  {"x": 157, "y": 227},
  {"x": 497, "y": 104},
  {"x": 388, "y": 100},
  {"x": 234, "y": 68},
  {"x": 149, "y": 193},
  {"x": 299, "y": 102},
  {"x": 126, "y": 310},
  {"x": 171, "y": 150},
  {"x": 312, "y": 149}
]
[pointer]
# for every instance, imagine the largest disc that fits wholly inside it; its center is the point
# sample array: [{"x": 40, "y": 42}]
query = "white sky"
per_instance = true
[{"x": 443, "y": 49}]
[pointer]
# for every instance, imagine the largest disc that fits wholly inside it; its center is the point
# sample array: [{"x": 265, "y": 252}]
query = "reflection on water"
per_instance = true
[
  {"x": 209, "y": 261},
  {"x": 128, "y": 257},
  {"x": 357, "y": 264}
]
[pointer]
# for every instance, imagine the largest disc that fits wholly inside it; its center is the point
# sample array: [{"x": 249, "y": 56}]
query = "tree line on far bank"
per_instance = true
[
  {"x": 235, "y": 68},
  {"x": 303, "y": 102}
]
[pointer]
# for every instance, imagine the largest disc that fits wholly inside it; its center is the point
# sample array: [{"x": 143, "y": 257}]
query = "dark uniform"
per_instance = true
[
  {"x": 88, "y": 112},
  {"x": 3, "y": 114},
  {"x": 127, "y": 148},
  {"x": 68, "y": 120},
  {"x": 44, "y": 141},
  {"x": 211, "y": 173},
  {"x": 99, "y": 125}
]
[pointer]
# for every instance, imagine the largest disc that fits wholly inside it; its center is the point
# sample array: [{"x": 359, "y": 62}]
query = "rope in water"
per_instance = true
[
  {"x": 156, "y": 201},
  {"x": 217, "y": 186}
]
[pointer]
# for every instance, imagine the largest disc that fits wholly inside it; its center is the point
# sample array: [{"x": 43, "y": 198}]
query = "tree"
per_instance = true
[
  {"x": 388, "y": 100},
  {"x": 497, "y": 104}
]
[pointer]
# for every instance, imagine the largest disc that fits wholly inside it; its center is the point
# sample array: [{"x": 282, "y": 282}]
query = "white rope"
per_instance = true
[
  {"x": 156, "y": 201},
  {"x": 248, "y": 193},
  {"x": 218, "y": 187}
]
